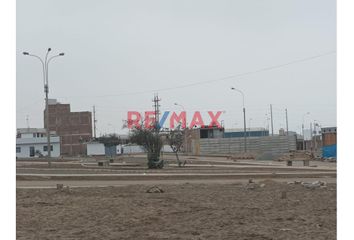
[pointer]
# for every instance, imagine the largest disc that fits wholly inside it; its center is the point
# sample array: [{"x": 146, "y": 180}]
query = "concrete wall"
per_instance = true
[{"x": 269, "y": 145}]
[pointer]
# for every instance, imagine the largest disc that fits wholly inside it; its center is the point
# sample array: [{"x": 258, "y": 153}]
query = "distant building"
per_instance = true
[
  {"x": 95, "y": 149},
  {"x": 250, "y": 132},
  {"x": 74, "y": 128},
  {"x": 329, "y": 142},
  {"x": 211, "y": 132},
  {"x": 32, "y": 142},
  {"x": 282, "y": 132}
]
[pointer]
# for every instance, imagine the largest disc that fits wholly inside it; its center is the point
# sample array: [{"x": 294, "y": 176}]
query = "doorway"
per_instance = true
[{"x": 32, "y": 153}]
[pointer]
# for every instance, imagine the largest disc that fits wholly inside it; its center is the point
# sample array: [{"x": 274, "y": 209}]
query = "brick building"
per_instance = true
[
  {"x": 329, "y": 136},
  {"x": 74, "y": 128}
]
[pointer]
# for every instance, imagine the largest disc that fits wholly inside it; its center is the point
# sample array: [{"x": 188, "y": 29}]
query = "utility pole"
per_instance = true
[
  {"x": 303, "y": 130},
  {"x": 311, "y": 137},
  {"x": 271, "y": 118},
  {"x": 94, "y": 122},
  {"x": 156, "y": 106},
  {"x": 244, "y": 128},
  {"x": 287, "y": 126}
]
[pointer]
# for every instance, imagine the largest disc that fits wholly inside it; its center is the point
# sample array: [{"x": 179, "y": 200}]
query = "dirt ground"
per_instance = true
[{"x": 182, "y": 211}]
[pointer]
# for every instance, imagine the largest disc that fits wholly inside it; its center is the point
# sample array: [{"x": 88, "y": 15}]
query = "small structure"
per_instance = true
[
  {"x": 95, "y": 149},
  {"x": 211, "y": 132},
  {"x": 329, "y": 142},
  {"x": 32, "y": 143}
]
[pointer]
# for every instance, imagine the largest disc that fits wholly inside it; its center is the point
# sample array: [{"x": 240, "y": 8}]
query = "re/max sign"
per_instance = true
[{"x": 135, "y": 119}]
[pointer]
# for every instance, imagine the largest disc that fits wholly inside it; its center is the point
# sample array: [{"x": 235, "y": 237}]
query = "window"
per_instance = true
[
  {"x": 34, "y": 135},
  {"x": 18, "y": 149},
  {"x": 45, "y": 148}
]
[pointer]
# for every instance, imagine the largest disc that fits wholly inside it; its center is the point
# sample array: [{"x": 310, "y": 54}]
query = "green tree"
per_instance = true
[{"x": 151, "y": 141}]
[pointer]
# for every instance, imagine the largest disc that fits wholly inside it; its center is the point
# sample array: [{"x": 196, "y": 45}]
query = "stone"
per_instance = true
[{"x": 155, "y": 189}]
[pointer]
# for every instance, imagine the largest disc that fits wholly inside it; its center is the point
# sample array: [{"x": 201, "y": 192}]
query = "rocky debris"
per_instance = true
[
  {"x": 251, "y": 185},
  {"x": 313, "y": 185},
  {"x": 155, "y": 189},
  {"x": 329, "y": 159},
  {"x": 236, "y": 157},
  {"x": 297, "y": 155},
  {"x": 63, "y": 188},
  {"x": 294, "y": 182}
]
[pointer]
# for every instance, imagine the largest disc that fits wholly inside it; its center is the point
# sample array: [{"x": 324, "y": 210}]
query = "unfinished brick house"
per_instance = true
[{"x": 74, "y": 128}]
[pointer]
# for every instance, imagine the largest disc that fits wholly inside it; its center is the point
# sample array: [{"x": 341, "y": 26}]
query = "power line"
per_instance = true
[{"x": 218, "y": 79}]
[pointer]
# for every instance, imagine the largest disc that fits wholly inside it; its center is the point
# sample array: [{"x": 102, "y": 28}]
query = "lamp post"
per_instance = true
[
  {"x": 303, "y": 133},
  {"x": 184, "y": 110},
  {"x": 45, "y": 64},
  {"x": 244, "y": 116}
]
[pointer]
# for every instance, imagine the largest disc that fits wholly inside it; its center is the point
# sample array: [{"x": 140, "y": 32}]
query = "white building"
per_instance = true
[{"x": 32, "y": 142}]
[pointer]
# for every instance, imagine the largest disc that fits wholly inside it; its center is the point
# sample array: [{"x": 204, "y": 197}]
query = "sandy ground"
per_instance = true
[
  {"x": 182, "y": 211},
  {"x": 207, "y": 199}
]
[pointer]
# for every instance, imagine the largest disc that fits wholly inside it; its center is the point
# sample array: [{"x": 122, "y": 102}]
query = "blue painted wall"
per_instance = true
[{"x": 329, "y": 151}]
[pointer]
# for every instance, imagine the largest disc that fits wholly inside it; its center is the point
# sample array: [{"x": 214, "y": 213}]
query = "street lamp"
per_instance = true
[
  {"x": 45, "y": 64},
  {"x": 184, "y": 110},
  {"x": 303, "y": 133},
  {"x": 244, "y": 116}
]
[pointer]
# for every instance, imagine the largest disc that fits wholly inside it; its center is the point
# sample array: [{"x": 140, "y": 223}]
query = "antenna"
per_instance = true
[{"x": 94, "y": 121}]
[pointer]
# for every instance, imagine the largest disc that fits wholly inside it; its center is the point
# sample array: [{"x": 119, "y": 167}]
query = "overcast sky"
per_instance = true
[{"x": 118, "y": 53}]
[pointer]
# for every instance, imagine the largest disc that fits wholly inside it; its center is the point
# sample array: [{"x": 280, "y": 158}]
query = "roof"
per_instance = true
[
  {"x": 329, "y": 130},
  {"x": 31, "y": 130}
]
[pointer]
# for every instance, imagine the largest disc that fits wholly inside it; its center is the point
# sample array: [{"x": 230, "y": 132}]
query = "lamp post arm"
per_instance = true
[
  {"x": 243, "y": 96},
  {"x": 43, "y": 65},
  {"x": 48, "y": 61}
]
